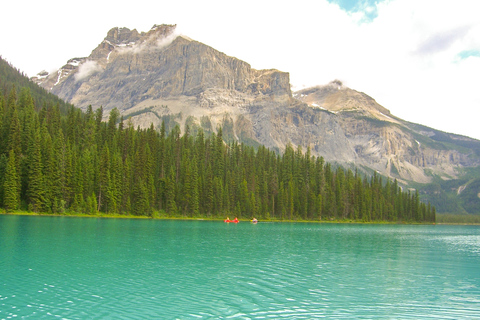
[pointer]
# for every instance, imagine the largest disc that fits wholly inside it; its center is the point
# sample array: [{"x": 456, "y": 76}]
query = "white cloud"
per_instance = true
[{"x": 87, "y": 69}]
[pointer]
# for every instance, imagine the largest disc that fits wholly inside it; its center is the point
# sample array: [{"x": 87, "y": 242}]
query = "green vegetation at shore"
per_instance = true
[
  {"x": 440, "y": 218},
  {"x": 165, "y": 216}
]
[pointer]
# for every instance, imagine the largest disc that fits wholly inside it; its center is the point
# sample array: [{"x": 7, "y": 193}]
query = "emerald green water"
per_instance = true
[{"x": 89, "y": 268}]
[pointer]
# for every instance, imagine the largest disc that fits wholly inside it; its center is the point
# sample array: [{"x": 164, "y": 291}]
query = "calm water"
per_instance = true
[{"x": 84, "y": 268}]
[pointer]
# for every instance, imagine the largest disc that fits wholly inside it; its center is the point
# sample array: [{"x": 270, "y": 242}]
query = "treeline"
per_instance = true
[{"x": 56, "y": 163}]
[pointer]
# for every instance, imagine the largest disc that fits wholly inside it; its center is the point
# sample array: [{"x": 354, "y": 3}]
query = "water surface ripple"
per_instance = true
[{"x": 84, "y": 268}]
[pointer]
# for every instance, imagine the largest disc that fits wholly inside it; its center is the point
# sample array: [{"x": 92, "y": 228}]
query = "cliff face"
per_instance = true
[
  {"x": 129, "y": 67},
  {"x": 162, "y": 76}
]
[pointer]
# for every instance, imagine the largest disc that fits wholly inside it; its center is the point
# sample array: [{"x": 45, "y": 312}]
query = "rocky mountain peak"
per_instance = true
[
  {"x": 124, "y": 37},
  {"x": 158, "y": 63},
  {"x": 118, "y": 36},
  {"x": 336, "y": 97}
]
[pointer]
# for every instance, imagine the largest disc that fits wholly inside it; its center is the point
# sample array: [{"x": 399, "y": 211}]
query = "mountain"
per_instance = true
[
  {"x": 388, "y": 144},
  {"x": 159, "y": 75}
]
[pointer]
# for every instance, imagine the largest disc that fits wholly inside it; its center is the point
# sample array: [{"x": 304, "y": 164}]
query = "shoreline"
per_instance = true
[{"x": 121, "y": 216}]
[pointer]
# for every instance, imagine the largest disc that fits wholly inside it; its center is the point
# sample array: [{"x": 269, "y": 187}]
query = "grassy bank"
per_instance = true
[{"x": 165, "y": 216}]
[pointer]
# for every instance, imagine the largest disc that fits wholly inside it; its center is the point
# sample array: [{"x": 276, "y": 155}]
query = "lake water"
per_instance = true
[{"x": 92, "y": 268}]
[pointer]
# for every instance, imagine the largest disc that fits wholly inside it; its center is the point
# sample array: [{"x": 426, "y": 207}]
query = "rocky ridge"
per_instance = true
[{"x": 385, "y": 143}]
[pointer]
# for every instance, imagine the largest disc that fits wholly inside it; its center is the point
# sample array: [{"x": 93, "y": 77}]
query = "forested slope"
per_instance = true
[
  {"x": 77, "y": 163},
  {"x": 9, "y": 77}
]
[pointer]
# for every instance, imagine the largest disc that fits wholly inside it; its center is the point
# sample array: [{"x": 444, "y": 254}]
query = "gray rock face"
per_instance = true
[
  {"x": 129, "y": 67},
  {"x": 158, "y": 76},
  {"x": 387, "y": 144}
]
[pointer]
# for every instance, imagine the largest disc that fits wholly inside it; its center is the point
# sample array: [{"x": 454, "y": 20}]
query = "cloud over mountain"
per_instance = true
[{"x": 86, "y": 69}]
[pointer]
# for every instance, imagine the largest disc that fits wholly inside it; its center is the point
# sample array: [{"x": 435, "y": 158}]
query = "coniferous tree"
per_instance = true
[
  {"x": 194, "y": 201},
  {"x": 208, "y": 191},
  {"x": 11, "y": 188},
  {"x": 171, "y": 205},
  {"x": 51, "y": 172},
  {"x": 13, "y": 135},
  {"x": 2, "y": 118},
  {"x": 36, "y": 182},
  {"x": 104, "y": 188},
  {"x": 3, "y": 168}
]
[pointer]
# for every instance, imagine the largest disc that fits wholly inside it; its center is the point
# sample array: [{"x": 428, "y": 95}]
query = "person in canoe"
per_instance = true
[
  {"x": 235, "y": 220},
  {"x": 254, "y": 220},
  {"x": 227, "y": 220}
]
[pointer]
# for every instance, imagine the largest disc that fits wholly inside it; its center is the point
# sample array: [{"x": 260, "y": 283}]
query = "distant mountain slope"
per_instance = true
[
  {"x": 160, "y": 76},
  {"x": 388, "y": 144}
]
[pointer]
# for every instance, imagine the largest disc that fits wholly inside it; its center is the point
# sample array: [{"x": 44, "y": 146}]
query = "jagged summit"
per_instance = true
[
  {"x": 155, "y": 64},
  {"x": 119, "y": 40},
  {"x": 125, "y": 37}
]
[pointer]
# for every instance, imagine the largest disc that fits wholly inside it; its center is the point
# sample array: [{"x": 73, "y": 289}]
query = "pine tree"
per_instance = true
[
  {"x": 10, "y": 185},
  {"x": 217, "y": 195},
  {"x": 171, "y": 205},
  {"x": 245, "y": 199},
  {"x": 140, "y": 195},
  {"x": 3, "y": 168},
  {"x": 104, "y": 191},
  {"x": 13, "y": 135},
  {"x": 194, "y": 201},
  {"x": 78, "y": 200},
  {"x": 208, "y": 200},
  {"x": 36, "y": 182},
  {"x": 2, "y": 119}
]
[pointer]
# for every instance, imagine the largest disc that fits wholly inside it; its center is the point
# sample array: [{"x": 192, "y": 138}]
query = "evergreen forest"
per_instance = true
[
  {"x": 78, "y": 163},
  {"x": 56, "y": 159}
]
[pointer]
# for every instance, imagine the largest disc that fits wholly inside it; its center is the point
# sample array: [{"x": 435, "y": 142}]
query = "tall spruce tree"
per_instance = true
[
  {"x": 36, "y": 182},
  {"x": 11, "y": 188}
]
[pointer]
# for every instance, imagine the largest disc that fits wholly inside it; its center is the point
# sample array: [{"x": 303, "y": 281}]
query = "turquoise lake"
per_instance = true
[{"x": 94, "y": 268}]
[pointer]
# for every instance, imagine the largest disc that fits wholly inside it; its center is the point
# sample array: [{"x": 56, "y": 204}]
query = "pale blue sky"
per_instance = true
[
  {"x": 419, "y": 59},
  {"x": 367, "y": 7}
]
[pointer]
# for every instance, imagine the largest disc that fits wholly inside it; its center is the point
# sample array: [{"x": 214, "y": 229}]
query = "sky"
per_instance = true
[{"x": 418, "y": 58}]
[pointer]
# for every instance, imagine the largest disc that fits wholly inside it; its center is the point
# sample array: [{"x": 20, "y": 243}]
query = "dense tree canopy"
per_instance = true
[{"x": 57, "y": 163}]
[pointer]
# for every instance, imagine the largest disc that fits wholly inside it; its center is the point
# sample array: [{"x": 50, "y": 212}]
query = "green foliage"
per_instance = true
[
  {"x": 35, "y": 179},
  {"x": 11, "y": 188}
]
